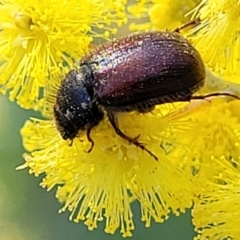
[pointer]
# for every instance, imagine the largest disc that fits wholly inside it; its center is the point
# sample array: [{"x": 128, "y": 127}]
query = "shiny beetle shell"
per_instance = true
[
  {"x": 134, "y": 73},
  {"x": 144, "y": 70}
]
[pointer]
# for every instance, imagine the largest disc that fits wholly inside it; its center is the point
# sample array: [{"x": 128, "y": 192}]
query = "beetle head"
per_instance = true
[{"x": 75, "y": 108}]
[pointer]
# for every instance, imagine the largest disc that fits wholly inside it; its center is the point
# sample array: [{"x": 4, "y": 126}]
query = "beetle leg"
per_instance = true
[
  {"x": 134, "y": 141},
  {"x": 191, "y": 22},
  {"x": 90, "y": 139},
  {"x": 70, "y": 143},
  {"x": 214, "y": 95}
]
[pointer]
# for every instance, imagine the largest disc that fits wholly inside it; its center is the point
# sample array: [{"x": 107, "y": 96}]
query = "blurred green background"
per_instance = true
[{"x": 29, "y": 212}]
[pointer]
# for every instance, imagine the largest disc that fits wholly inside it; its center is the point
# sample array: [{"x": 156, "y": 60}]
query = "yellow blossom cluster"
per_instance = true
[
  {"x": 197, "y": 143},
  {"x": 217, "y": 37},
  {"x": 107, "y": 180},
  {"x": 158, "y": 14},
  {"x": 216, "y": 209},
  {"x": 38, "y": 39}
]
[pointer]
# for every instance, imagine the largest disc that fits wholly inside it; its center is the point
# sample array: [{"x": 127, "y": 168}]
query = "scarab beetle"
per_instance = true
[{"x": 134, "y": 73}]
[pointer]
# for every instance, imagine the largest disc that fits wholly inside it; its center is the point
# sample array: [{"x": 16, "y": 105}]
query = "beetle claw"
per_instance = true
[
  {"x": 137, "y": 143},
  {"x": 137, "y": 137}
]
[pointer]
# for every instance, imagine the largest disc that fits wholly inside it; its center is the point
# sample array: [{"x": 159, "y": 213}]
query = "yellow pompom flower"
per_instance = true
[
  {"x": 214, "y": 132},
  {"x": 216, "y": 210},
  {"x": 217, "y": 206},
  {"x": 217, "y": 36},
  {"x": 213, "y": 158},
  {"x": 102, "y": 184},
  {"x": 38, "y": 38},
  {"x": 161, "y": 14}
]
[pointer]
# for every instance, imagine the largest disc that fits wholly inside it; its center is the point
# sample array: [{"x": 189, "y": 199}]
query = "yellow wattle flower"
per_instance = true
[
  {"x": 160, "y": 14},
  {"x": 212, "y": 155},
  {"x": 218, "y": 180},
  {"x": 216, "y": 209},
  {"x": 217, "y": 36},
  {"x": 38, "y": 38},
  {"x": 102, "y": 185},
  {"x": 213, "y": 132}
]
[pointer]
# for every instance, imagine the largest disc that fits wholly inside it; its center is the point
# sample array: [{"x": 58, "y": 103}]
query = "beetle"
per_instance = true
[{"x": 133, "y": 73}]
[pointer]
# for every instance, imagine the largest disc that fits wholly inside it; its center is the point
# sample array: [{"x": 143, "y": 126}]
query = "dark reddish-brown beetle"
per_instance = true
[{"x": 134, "y": 73}]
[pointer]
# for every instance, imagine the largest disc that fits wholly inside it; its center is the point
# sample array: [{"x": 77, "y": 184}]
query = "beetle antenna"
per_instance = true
[
  {"x": 187, "y": 24},
  {"x": 214, "y": 95}
]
